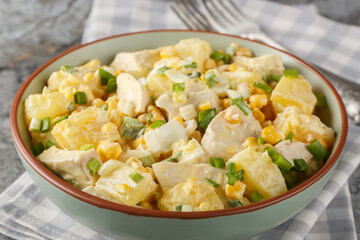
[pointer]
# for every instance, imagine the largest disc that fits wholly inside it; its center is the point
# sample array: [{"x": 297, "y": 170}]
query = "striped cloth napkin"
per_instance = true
[{"x": 25, "y": 213}]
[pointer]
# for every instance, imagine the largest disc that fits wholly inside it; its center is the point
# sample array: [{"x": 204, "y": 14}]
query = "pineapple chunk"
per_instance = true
[
  {"x": 260, "y": 173},
  {"x": 270, "y": 63},
  {"x": 200, "y": 196},
  {"x": 47, "y": 104},
  {"x": 196, "y": 49},
  {"x": 235, "y": 78},
  {"x": 305, "y": 127},
  {"x": 115, "y": 181},
  {"x": 158, "y": 84},
  {"x": 293, "y": 92},
  {"x": 90, "y": 125}
]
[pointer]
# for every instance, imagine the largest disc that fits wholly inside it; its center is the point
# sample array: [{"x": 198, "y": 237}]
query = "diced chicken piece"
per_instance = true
[
  {"x": 100, "y": 194},
  {"x": 160, "y": 140},
  {"x": 131, "y": 92},
  {"x": 293, "y": 92},
  {"x": 260, "y": 173},
  {"x": 192, "y": 152},
  {"x": 47, "y": 104},
  {"x": 194, "y": 195},
  {"x": 270, "y": 63},
  {"x": 197, "y": 49},
  {"x": 294, "y": 150},
  {"x": 170, "y": 174},
  {"x": 305, "y": 127},
  {"x": 138, "y": 63},
  {"x": 70, "y": 165},
  {"x": 90, "y": 125},
  {"x": 166, "y": 103},
  {"x": 116, "y": 182},
  {"x": 223, "y": 138}
]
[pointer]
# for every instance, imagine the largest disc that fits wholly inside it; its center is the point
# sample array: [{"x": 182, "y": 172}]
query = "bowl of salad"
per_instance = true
[{"x": 178, "y": 133}]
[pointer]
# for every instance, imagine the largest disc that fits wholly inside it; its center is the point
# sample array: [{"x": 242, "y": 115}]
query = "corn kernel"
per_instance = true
[
  {"x": 244, "y": 52},
  {"x": 232, "y": 118},
  {"x": 270, "y": 135},
  {"x": 204, "y": 106},
  {"x": 251, "y": 142},
  {"x": 142, "y": 118},
  {"x": 259, "y": 100},
  {"x": 258, "y": 115},
  {"x": 118, "y": 72},
  {"x": 155, "y": 112},
  {"x": 136, "y": 143},
  {"x": 108, "y": 150},
  {"x": 209, "y": 64},
  {"x": 252, "y": 88},
  {"x": 123, "y": 188},
  {"x": 235, "y": 191},
  {"x": 233, "y": 67},
  {"x": 97, "y": 102},
  {"x": 145, "y": 204},
  {"x": 111, "y": 105},
  {"x": 265, "y": 124},
  {"x": 180, "y": 120},
  {"x": 225, "y": 102},
  {"x": 258, "y": 91},
  {"x": 219, "y": 63},
  {"x": 197, "y": 135},
  {"x": 167, "y": 52},
  {"x": 115, "y": 117}
]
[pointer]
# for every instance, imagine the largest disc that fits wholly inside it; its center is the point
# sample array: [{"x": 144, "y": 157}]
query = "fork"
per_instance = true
[{"x": 222, "y": 16}]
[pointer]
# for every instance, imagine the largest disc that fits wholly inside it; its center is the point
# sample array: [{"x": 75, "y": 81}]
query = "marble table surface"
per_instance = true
[{"x": 33, "y": 31}]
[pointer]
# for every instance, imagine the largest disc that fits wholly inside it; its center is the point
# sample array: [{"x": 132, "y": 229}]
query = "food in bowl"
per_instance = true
[{"x": 180, "y": 128}]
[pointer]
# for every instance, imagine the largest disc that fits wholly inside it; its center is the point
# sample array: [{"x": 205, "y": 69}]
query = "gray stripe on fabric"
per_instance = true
[
  {"x": 121, "y": 21},
  {"x": 156, "y": 10}
]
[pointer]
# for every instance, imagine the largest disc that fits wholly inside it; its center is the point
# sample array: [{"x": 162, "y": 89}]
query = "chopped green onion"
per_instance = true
[
  {"x": 174, "y": 157},
  {"x": 217, "y": 162},
  {"x": 300, "y": 165},
  {"x": 211, "y": 78},
  {"x": 256, "y": 197},
  {"x": 321, "y": 100},
  {"x": 87, "y": 147},
  {"x": 191, "y": 65},
  {"x": 234, "y": 101},
  {"x": 68, "y": 69},
  {"x": 217, "y": 56},
  {"x": 132, "y": 128},
  {"x": 235, "y": 203},
  {"x": 61, "y": 119},
  {"x": 265, "y": 78},
  {"x": 291, "y": 73},
  {"x": 240, "y": 175},
  {"x": 178, "y": 87},
  {"x": 194, "y": 74},
  {"x": 227, "y": 59},
  {"x": 291, "y": 178},
  {"x": 80, "y": 98},
  {"x": 290, "y": 136},
  {"x": 265, "y": 87},
  {"x": 274, "y": 78},
  {"x": 136, "y": 177},
  {"x": 147, "y": 161},
  {"x": 161, "y": 70},
  {"x": 93, "y": 166},
  {"x": 157, "y": 124},
  {"x": 105, "y": 107},
  {"x": 279, "y": 159},
  {"x": 37, "y": 148},
  {"x": 231, "y": 49},
  {"x": 178, "y": 208},
  {"x": 212, "y": 183},
  {"x": 49, "y": 144},
  {"x": 231, "y": 179},
  {"x": 105, "y": 77},
  {"x": 232, "y": 167},
  {"x": 205, "y": 117},
  {"x": 317, "y": 150},
  {"x": 149, "y": 118},
  {"x": 243, "y": 107},
  {"x": 45, "y": 125},
  {"x": 111, "y": 85},
  {"x": 35, "y": 125},
  {"x": 261, "y": 140},
  {"x": 71, "y": 107}
]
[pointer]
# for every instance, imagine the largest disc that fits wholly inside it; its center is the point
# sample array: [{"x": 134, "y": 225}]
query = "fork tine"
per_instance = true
[
  {"x": 212, "y": 21},
  {"x": 215, "y": 13},
  {"x": 226, "y": 12},
  {"x": 182, "y": 14},
  {"x": 231, "y": 8},
  {"x": 197, "y": 16}
]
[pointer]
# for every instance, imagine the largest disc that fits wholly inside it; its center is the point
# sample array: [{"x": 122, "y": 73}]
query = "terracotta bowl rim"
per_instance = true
[{"x": 101, "y": 203}]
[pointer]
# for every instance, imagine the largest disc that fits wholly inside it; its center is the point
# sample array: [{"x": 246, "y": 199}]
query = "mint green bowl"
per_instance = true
[{"x": 117, "y": 220}]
